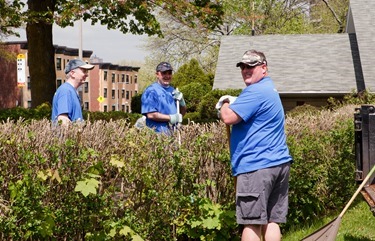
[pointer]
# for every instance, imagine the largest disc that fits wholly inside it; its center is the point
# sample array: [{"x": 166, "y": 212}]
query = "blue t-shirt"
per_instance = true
[
  {"x": 157, "y": 98},
  {"x": 259, "y": 140},
  {"x": 66, "y": 101}
]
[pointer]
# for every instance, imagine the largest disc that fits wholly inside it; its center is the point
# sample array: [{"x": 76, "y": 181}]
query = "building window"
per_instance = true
[
  {"x": 135, "y": 79},
  {"x": 105, "y": 108},
  {"x": 122, "y": 93},
  {"x": 113, "y": 108},
  {"x": 127, "y": 108},
  {"x": 58, "y": 63},
  {"x": 113, "y": 77},
  {"x": 105, "y": 75},
  {"x": 28, "y": 83},
  {"x": 127, "y": 95},
  {"x": 86, "y": 87},
  {"x": 105, "y": 93},
  {"x": 122, "y": 107},
  {"x": 86, "y": 106},
  {"x": 123, "y": 78},
  {"x": 131, "y": 79},
  {"x": 58, "y": 83},
  {"x": 127, "y": 79},
  {"x": 29, "y": 104},
  {"x": 113, "y": 94}
]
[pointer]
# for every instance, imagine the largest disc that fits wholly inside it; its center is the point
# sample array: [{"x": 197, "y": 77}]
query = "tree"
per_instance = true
[
  {"x": 134, "y": 16},
  {"x": 193, "y": 82},
  {"x": 10, "y": 19},
  {"x": 180, "y": 42},
  {"x": 189, "y": 73}
]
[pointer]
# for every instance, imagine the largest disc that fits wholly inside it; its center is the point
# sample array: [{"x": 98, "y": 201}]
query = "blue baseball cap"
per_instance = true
[
  {"x": 163, "y": 66},
  {"x": 77, "y": 63}
]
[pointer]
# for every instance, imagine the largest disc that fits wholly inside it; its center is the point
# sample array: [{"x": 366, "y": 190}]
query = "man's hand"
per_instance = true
[
  {"x": 225, "y": 99},
  {"x": 176, "y": 118},
  {"x": 177, "y": 95}
]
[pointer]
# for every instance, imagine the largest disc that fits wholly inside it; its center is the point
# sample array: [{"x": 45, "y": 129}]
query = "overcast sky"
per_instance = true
[{"x": 110, "y": 45}]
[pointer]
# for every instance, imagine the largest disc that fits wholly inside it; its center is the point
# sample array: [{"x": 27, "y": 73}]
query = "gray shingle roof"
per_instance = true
[
  {"x": 363, "y": 14},
  {"x": 313, "y": 63}
]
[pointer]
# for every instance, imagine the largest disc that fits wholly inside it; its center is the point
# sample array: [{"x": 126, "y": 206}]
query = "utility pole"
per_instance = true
[
  {"x": 253, "y": 18},
  {"x": 80, "y": 55}
]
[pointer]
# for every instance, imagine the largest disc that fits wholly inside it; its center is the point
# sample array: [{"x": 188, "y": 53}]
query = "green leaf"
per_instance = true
[
  {"x": 112, "y": 233},
  {"x": 116, "y": 162},
  {"x": 87, "y": 186},
  {"x": 211, "y": 223},
  {"x": 125, "y": 230},
  {"x": 136, "y": 237},
  {"x": 195, "y": 224},
  {"x": 42, "y": 176}
]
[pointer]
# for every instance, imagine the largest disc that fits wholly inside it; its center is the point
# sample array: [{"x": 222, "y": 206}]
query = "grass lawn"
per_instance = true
[{"x": 357, "y": 224}]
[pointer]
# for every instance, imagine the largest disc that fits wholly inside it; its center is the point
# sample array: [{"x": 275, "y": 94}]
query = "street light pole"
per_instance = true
[{"x": 80, "y": 40}]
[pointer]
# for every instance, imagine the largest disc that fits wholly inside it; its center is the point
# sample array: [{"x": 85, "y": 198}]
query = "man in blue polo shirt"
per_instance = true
[
  {"x": 260, "y": 158},
  {"x": 66, "y": 106},
  {"x": 159, "y": 101}
]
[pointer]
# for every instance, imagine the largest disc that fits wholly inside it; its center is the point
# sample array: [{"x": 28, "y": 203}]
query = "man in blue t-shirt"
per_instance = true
[
  {"x": 66, "y": 105},
  {"x": 260, "y": 157},
  {"x": 159, "y": 101}
]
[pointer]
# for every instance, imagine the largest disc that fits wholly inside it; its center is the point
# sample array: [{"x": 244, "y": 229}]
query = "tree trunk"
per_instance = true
[{"x": 41, "y": 53}]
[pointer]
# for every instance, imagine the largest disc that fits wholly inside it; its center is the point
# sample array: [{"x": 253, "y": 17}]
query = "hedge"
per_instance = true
[{"x": 107, "y": 180}]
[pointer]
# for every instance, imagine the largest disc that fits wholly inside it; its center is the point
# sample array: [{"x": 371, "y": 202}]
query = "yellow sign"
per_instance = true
[{"x": 100, "y": 99}]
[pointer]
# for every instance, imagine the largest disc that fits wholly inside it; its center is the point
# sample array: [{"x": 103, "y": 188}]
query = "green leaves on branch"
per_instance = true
[{"x": 88, "y": 185}]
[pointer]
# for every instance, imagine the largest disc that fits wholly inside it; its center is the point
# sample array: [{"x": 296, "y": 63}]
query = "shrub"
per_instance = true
[{"x": 109, "y": 181}]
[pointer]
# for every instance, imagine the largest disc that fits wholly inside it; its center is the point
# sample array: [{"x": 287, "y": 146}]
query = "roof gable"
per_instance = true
[{"x": 306, "y": 63}]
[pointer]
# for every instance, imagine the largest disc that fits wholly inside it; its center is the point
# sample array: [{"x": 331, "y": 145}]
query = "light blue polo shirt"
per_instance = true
[
  {"x": 259, "y": 140},
  {"x": 66, "y": 101},
  {"x": 157, "y": 98}
]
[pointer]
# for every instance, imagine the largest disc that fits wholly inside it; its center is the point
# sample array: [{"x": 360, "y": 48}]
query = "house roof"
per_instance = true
[{"x": 307, "y": 63}]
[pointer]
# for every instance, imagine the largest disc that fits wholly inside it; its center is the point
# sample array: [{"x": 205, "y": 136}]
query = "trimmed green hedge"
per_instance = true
[{"x": 109, "y": 181}]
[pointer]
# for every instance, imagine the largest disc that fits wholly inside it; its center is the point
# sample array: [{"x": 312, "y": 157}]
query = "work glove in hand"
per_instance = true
[
  {"x": 228, "y": 98},
  {"x": 176, "y": 118},
  {"x": 140, "y": 123},
  {"x": 177, "y": 95}
]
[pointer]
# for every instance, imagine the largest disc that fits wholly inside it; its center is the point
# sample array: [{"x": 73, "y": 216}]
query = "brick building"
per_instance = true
[{"x": 108, "y": 87}]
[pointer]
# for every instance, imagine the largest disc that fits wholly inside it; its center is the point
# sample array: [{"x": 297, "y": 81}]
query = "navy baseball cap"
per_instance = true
[
  {"x": 163, "y": 66},
  {"x": 77, "y": 63}
]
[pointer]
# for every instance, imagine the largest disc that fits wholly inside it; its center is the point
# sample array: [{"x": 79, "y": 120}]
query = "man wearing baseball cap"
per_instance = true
[
  {"x": 66, "y": 105},
  {"x": 160, "y": 99},
  {"x": 260, "y": 157}
]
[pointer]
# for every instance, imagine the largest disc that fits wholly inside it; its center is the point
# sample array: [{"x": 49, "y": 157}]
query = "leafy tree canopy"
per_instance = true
[
  {"x": 134, "y": 16},
  {"x": 189, "y": 73}
]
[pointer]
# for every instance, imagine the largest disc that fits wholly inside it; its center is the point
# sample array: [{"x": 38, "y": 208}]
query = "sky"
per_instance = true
[{"x": 110, "y": 45}]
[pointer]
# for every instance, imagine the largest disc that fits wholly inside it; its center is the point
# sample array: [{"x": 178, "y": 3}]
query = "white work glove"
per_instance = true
[
  {"x": 230, "y": 99},
  {"x": 140, "y": 123},
  {"x": 177, "y": 95},
  {"x": 176, "y": 118}
]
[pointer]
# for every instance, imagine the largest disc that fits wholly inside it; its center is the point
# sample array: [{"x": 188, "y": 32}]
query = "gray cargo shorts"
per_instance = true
[{"x": 262, "y": 195}]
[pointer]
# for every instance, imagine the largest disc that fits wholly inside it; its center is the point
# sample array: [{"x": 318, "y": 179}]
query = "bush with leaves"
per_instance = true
[
  {"x": 109, "y": 181},
  {"x": 206, "y": 107}
]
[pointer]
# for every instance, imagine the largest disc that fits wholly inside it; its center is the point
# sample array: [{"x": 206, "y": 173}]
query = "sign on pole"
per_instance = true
[
  {"x": 100, "y": 99},
  {"x": 21, "y": 70}
]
